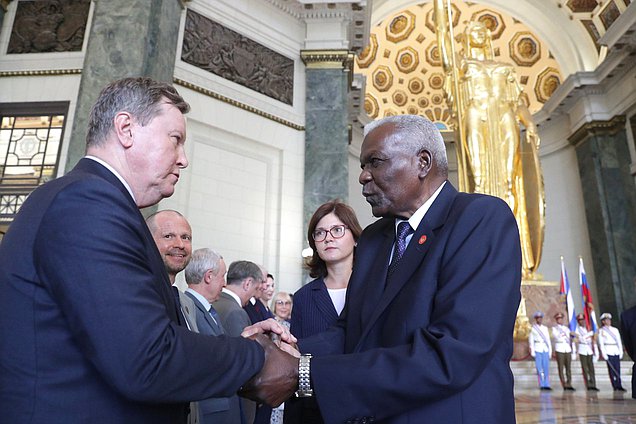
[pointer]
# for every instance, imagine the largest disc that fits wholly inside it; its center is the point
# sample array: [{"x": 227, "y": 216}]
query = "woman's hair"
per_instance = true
[
  {"x": 318, "y": 267},
  {"x": 280, "y": 296}
]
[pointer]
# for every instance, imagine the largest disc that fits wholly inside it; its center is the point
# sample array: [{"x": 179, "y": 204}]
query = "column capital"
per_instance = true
[
  {"x": 327, "y": 59},
  {"x": 593, "y": 128}
]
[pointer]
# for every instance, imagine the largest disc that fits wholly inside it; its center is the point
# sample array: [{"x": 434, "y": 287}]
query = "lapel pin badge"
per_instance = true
[{"x": 422, "y": 239}]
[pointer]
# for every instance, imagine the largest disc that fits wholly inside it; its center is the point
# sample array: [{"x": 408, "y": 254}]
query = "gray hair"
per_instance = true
[
  {"x": 416, "y": 132},
  {"x": 141, "y": 97},
  {"x": 241, "y": 270},
  {"x": 202, "y": 260}
]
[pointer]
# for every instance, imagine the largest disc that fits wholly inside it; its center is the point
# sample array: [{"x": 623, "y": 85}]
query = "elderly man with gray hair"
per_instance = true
[{"x": 205, "y": 275}]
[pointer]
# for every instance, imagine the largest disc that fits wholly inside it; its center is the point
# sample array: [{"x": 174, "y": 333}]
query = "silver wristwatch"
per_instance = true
[{"x": 304, "y": 378}]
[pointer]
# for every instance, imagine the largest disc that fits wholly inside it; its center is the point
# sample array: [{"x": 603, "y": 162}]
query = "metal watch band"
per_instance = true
[{"x": 304, "y": 379}]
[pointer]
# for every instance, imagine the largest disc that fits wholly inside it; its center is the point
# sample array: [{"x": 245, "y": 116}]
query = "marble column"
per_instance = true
[
  {"x": 127, "y": 38},
  {"x": 327, "y": 133},
  {"x": 4, "y": 4},
  {"x": 609, "y": 193}
]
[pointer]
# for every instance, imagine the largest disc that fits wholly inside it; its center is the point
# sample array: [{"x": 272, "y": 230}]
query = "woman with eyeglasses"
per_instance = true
[
  {"x": 332, "y": 234},
  {"x": 281, "y": 308}
]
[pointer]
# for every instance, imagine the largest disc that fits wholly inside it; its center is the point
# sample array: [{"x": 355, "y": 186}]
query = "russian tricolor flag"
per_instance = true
[{"x": 588, "y": 307}]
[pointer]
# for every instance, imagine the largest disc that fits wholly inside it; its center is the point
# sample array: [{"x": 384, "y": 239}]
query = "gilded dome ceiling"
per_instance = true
[{"x": 403, "y": 68}]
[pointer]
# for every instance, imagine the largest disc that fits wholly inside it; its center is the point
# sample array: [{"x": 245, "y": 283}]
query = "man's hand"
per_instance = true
[
  {"x": 277, "y": 380},
  {"x": 269, "y": 326}
]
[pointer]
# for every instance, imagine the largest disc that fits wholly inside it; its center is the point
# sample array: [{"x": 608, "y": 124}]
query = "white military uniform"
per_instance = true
[
  {"x": 609, "y": 340},
  {"x": 562, "y": 339},
  {"x": 585, "y": 343},
  {"x": 541, "y": 351},
  {"x": 563, "y": 348},
  {"x": 588, "y": 354},
  {"x": 539, "y": 340}
]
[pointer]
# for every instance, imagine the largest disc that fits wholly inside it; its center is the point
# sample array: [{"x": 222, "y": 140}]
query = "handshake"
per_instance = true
[{"x": 278, "y": 379}]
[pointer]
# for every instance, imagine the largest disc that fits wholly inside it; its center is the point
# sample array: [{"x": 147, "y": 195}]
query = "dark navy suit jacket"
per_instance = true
[
  {"x": 435, "y": 345},
  {"x": 88, "y": 327},
  {"x": 628, "y": 333},
  {"x": 257, "y": 312},
  {"x": 313, "y": 310}
]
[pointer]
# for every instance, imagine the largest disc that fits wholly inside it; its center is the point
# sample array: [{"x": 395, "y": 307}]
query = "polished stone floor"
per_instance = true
[
  {"x": 605, "y": 407},
  {"x": 559, "y": 406}
]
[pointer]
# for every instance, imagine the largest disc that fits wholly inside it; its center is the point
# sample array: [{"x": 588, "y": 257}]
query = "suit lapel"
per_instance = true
[
  {"x": 421, "y": 242},
  {"x": 163, "y": 282},
  {"x": 377, "y": 256},
  {"x": 216, "y": 331},
  {"x": 323, "y": 302}
]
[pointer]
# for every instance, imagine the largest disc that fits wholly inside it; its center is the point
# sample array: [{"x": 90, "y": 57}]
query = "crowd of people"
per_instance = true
[{"x": 567, "y": 343}]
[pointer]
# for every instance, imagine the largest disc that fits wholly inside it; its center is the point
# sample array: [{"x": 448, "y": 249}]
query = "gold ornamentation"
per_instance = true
[
  {"x": 382, "y": 78},
  {"x": 492, "y": 20},
  {"x": 416, "y": 85},
  {"x": 371, "y": 106},
  {"x": 407, "y": 60},
  {"x": 399, "y": 98},
  {"x": 240, "y": 105},
  {"x": 525, "y": 50},
  {"x": 327, "y": 59},
  {"x": 38, "y": 73},
  {"x": 493, "y": 157},
  {"x": 400, "y": 27},
  {"x": 547, "y": 82},
  {"x": 367, "y": 56}
]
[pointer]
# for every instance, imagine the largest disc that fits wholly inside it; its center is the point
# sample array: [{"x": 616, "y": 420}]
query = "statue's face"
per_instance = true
[{"x": 478, "y": 35}]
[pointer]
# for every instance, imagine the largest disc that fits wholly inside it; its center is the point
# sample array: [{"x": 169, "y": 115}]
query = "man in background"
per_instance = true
[
  {"x": 244, "y": 280},
  {"x": 205, "y": 275},
  {"x": 541, "y": 350},
  {"x": 173, "y": 235},
  {"x": 562, "y": 338},
  {"x": 588, "y": 352}
]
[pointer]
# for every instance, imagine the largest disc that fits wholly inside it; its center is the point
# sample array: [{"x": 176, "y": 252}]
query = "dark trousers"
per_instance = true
[
  {"x": 587, "y": 363},
  {"x": 564, "y": 362},
  {"x": 614, "y": 368}
]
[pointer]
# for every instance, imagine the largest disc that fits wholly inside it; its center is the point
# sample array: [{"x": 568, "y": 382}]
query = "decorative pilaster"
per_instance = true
[
  {"x": 328, "y": 74},
  {"x": 4, "y": 4},
  {"x": 115, "y": 51},
  {"x": 610, "y": 208}
]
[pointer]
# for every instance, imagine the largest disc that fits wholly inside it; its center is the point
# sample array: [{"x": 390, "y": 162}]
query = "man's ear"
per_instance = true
[
  {"x": 425, "y": 162},
  {"x": 123, "y": 124},
  {"x": 246, "y": 283}
]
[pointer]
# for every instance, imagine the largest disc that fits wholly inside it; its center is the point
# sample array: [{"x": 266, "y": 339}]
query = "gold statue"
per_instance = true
[{"x": 487, "y": 104}]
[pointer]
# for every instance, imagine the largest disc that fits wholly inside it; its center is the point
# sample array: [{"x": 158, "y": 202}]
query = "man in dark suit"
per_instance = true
[
  {"x": 412, "y": 344},
  {"x": 244, "y": 279},
  {"x": 257, "y": 308},
  {"x": 205, "y": 275},
  {"x": 89, "y": 327},
  {"x": 628, "y": 333}
]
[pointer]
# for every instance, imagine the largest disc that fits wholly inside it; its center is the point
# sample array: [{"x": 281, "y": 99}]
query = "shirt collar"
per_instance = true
[
  {"x": 418, "y": 216},
  {"x": 200, "y": 298},
  {"x": 111, "y": 169},
  {"x": 234, "y": 296}
]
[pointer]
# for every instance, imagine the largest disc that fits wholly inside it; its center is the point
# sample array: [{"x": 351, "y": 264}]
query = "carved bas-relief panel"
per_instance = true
[
  {"x": 49, "y": 26},
  {"x": 210, "y": 46}
]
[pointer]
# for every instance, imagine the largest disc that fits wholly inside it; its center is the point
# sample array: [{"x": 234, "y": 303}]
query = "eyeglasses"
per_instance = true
[
  {"x": 337, "y": 231},
  {"x": 283, "y": 302}
]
